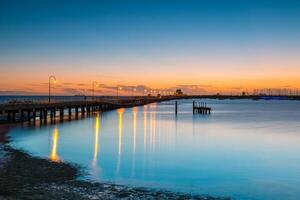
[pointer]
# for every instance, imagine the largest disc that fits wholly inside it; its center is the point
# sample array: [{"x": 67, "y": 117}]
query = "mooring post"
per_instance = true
[{"x": 175, "y": 107}]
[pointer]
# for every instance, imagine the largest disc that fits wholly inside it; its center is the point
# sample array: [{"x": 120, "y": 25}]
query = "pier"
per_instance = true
[
  {"x": 28, "y": 111},
  {"x": 201, "y": 108}
]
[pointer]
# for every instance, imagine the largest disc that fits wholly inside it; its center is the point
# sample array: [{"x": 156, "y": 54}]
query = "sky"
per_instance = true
[{"x": 201, "y": 46}]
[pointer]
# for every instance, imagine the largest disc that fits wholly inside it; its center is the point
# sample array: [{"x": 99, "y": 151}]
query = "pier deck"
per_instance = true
[
  {"x": 201, "y": 108},
  {"x": 28, "y": 111}
]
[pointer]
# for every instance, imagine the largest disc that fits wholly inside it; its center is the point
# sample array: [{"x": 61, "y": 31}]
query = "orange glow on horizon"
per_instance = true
[{"x": 78, "y": 82}]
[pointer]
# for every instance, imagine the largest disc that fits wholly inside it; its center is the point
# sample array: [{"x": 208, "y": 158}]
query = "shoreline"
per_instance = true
[{"x": 23, "y": 176}]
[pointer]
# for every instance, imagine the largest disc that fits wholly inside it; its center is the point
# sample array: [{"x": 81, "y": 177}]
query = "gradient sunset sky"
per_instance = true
[{"x": 200, "y": 46}]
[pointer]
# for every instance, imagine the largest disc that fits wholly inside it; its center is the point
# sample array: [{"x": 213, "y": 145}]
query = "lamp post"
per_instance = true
[
  {"x": 118, "y": 88},
  {"x": 144, "y": 92},
  {"x": 133, "y": 90},
  {"x": 54, "y": 81},
  {"x": 93, "y": 88}
]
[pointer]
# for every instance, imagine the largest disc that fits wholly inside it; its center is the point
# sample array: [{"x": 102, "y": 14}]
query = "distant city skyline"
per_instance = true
[{"x": 200, "y": 46}]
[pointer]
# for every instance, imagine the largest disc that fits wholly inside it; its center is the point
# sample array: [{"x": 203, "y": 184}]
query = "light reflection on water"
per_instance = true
[
  {"x": 245, "y": 149},
  {"x": 53, "y": 155}
]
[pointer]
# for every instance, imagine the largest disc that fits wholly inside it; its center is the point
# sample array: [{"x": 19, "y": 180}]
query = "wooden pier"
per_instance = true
[
  {"x": 201, "y": 108},
  {"x": 61, "y": 110}
]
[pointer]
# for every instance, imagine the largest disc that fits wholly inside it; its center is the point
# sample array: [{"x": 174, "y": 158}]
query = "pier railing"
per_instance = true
[{"x": 26, "y": 111}]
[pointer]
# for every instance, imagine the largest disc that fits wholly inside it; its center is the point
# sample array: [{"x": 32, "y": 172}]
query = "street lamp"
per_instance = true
[
  {"x": 118, "y": 88},
  {"x": 144, "y": 92},
  {"x": 93, "y": 88},
  {"x": 54, "y": 81},
  {"x": 133, "y": 90}
]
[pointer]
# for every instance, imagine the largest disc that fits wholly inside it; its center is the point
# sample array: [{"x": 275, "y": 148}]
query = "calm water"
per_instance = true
[{"x": 245, "y": 149}]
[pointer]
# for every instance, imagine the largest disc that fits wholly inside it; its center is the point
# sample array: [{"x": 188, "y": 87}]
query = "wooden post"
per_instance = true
[
  {"x": 8, "y": 116},
  {"x": 193, "y": 107},
  {"x": 176, "y": 107},
  {"x": 41, "y": 114},
  {"x": 61, "y": 113},
  {"x": 34, "y": 114},
  {"x": 70, "y": 112},
  {"x": 28, "y": 115},
  {"x": 22, "y": 115},
  {"x": 54, "y": 113},
  {"x": 13, "y": 116},
  {"x": 82, "y": 110},
  {"x": 45, "y": 114},
  {"x": 76, "y": 111}
]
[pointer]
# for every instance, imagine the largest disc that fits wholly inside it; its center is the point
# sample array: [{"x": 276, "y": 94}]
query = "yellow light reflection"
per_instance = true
[
  {"x": 152, "y": 126},
  {"x": 151, "y": 130},
  {"x": 120, "y": 112},
  {"x": 154, "y": 129},
  {"x": 53, "y": 155},
  {"x": 120, "y": 127},
  {"x": 145, "y": 127},
  {"x": 96, "y": 144},
  {"x": 134, "y": 110}
]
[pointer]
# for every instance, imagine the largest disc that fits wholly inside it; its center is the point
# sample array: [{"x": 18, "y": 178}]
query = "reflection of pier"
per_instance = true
[{"x": 32, "y": 111}]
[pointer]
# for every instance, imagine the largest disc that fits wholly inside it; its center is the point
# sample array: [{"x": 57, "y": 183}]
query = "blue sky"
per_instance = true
[{"x": 121, "y": 38}]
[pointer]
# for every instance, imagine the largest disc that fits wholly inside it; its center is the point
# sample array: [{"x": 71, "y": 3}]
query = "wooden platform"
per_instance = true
[
  {"x": 201, "y": 108},
  {"x": 43, "y": 111}
]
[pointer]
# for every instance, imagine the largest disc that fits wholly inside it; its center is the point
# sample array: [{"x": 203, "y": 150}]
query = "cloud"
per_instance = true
[
  {"x": 72, "y": 91},
  {"x": 18, "y": 92},
  {"x": 192, "y": 89},
  {"x": 195, "y": 86}
]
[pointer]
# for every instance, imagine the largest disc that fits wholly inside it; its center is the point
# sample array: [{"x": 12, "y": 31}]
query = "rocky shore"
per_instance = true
[{"x": 25, "y": 177}]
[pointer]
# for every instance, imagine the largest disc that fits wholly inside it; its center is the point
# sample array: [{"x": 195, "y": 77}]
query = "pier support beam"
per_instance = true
[
  {"x": 22, "y": 115},
  {"x": 45, "y": 114},
  {"x": 61, "y": 114},
  {"x": 34, "y": 115},
  {"x": 28, "y": 115},
  {"x": 193, "y": 107},
  {"x": 76, "y": 112},
  {"x": 70, "y": 112}
]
